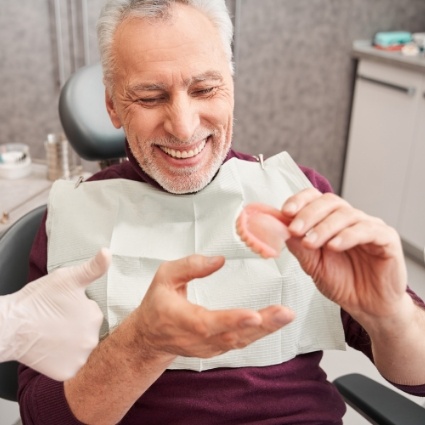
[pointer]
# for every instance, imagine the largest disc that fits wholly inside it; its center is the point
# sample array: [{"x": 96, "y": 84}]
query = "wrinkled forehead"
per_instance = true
[{"x": 183, "y": 44}]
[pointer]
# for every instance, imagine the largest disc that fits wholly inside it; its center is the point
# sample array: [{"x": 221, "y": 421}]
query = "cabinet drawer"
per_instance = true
[{"x": 390, "y": 78}]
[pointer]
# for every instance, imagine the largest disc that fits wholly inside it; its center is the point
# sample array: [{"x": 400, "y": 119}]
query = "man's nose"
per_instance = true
[{"x": 182, "y": 117}]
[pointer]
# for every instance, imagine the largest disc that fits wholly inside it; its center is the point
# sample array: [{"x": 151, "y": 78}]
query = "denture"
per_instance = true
[{"x": 262, "y": 229}]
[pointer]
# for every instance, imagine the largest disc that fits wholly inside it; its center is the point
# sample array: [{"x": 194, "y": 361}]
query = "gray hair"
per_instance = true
[{"x": 115, "y": 11}]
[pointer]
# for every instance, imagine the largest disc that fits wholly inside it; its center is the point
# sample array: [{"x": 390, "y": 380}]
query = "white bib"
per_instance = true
[{"x": 144, "y": 226}]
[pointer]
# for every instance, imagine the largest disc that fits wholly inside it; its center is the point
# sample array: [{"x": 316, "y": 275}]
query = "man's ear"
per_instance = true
[{"x": 110, "y": 107}]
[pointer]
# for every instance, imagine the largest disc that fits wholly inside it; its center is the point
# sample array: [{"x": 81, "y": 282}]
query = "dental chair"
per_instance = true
[{"x": 85, "y": 120}]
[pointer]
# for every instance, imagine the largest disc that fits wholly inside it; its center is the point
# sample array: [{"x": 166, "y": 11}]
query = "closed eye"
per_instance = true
[
  {"x": 204, "y": 92},
  {"x": 151, "y": 101}
]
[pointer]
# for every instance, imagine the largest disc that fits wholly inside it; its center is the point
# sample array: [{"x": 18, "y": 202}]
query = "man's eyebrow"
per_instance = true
[
  {"x": 146, "y": 87},
  {"x": 209, "y": 75},
  {"x": 205, "y": 76}
]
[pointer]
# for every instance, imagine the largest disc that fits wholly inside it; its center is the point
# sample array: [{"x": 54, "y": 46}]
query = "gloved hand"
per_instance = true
[{"x": 50, "y": 325}]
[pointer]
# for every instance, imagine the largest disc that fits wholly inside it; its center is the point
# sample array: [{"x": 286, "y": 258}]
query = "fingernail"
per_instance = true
[
  {"x": 251, "y": 321},
  {"x": 311, "y": 236},
  {"x": 280, "y": 318},
  {"x": 336, "y": 242},
  {"x": 297, "y": 225},
  {"x": 290, "y": 208},
  {"x": 213, "y": 260}
]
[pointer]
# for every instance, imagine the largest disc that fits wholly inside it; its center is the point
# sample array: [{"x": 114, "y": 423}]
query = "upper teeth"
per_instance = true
[{"x": 183, "y": 154}]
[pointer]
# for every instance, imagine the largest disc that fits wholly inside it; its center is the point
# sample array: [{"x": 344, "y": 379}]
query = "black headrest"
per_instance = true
[{"x": 84, "y": 117}]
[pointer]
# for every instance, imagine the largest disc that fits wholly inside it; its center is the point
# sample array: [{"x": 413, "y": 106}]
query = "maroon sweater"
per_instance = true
[{"x": 294, "y": 392}]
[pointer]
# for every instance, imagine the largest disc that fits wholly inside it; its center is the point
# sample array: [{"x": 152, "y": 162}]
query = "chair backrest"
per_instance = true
[
  {"x": 84, "y": 117},
  {"x": 15, "y": 247}
]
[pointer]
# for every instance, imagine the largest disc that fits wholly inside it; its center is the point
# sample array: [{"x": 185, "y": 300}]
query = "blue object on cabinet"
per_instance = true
[{"x": 386, "y": 39}]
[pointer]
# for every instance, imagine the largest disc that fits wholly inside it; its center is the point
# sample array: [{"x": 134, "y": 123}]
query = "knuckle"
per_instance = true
[
  {"x": 192, "y": 261},
  {"x": 314, "y": 191},
  {"x": 229, "y": 339},
  {"x": 241, "y": 344},
  {"x": 61, "y": 273},
  {"x": 381, "y": 222},
  {"x": 201, "y": 329},
  {"x": 233, "y": 341},
  {"x": 336, "y": 200}
]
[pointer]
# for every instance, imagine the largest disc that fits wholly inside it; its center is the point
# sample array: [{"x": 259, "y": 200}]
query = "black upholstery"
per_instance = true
[
  {"x": 84, "y": 117},
  {"x": 15, "y": 246},
  {"x": 378, "y": 403}
]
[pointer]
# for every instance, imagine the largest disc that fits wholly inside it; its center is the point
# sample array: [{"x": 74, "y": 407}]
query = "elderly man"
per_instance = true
[{"x": 198, "y": 329}]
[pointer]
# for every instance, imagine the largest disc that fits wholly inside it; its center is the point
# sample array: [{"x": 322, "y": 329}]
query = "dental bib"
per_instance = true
[{"x": 144, "y": 226}]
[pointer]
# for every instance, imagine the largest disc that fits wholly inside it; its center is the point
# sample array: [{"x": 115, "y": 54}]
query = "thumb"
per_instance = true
[
  {"x": 179, "y": 272},
  {"x": 307, "y": 257},
  {"x": 84, "y": 274}
]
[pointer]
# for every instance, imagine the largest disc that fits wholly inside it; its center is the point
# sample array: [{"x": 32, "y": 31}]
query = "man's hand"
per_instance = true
[
  {"x": 50, "y": 324},
  {"x": 169, "y": 323},
  {"x": 355, "y": 260},
  {"x": 165, "y": 325}
]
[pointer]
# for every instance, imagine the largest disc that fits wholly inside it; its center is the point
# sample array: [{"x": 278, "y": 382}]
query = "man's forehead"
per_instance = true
[{"x": 186, "y": 31}]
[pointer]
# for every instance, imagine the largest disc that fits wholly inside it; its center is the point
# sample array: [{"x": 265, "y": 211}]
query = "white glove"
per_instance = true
[{"x": 50, "y": 325}]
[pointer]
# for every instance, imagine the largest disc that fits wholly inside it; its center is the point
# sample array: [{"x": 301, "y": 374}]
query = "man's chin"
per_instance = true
[
  {"x": 183, "y": 188},
  {"x": 186, "y": 181}
]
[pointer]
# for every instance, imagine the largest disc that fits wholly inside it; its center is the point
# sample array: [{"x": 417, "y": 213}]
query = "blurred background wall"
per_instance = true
[{"x": 294, "y": 73}]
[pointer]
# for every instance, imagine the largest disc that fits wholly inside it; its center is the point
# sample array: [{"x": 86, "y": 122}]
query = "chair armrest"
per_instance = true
[{"x": 378, "y": 403}]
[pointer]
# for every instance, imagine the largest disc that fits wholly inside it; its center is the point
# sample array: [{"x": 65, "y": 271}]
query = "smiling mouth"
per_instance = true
[{"x": 183, "y": 154}]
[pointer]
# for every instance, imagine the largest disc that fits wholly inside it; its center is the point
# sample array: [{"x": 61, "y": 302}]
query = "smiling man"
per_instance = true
[
  {"x": 172, "y": 92},
  {"x": 198, "y": 329}
]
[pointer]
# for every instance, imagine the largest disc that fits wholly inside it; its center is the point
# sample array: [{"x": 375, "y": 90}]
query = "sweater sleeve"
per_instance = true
[
  {"x": 317, "y": 180},
  {"x": 42, "y": 400}
]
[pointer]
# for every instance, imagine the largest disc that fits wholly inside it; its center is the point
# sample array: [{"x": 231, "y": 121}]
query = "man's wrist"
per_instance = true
[
  {"x": 393, "y": 324},
  {"x": 130, "y": 338}
]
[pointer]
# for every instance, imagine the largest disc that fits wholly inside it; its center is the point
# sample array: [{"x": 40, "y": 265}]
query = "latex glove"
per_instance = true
[{"x": 50, "y": 325}]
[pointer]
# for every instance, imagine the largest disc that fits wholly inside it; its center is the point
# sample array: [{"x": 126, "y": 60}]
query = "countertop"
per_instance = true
[
  {"x": 19, "y": 196},
  {"x": 363, "y": 49}
]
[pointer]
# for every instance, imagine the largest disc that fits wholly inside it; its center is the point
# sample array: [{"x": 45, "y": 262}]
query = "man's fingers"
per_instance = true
[
  {"x": 84, "y": 274},
  {"x": 376, "y": 237},
  {"x": 298, "y": 201},
  {"x": 219, "y": 321},
  {"x": 255, "y": 325},
  {"x": 180, "y": 272},
  {"x": 238, "y": 321}
]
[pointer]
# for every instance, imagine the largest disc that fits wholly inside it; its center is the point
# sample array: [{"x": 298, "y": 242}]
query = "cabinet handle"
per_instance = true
[{"x": 410, "y": 91}]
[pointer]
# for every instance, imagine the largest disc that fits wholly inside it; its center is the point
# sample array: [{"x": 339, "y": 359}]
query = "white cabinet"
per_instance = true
[
  {"x": 412, "y": 218},
  {"x": 385, "y": 165}
]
